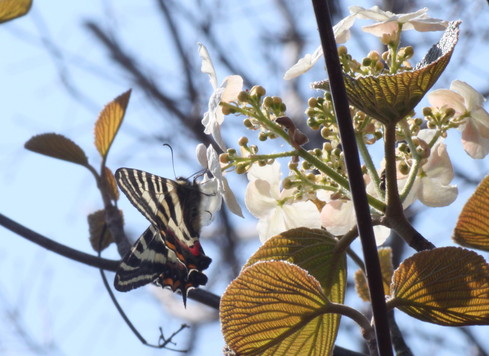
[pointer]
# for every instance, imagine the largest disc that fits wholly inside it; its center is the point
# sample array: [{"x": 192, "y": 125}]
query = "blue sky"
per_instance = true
[{"x": 62, "y": 303}]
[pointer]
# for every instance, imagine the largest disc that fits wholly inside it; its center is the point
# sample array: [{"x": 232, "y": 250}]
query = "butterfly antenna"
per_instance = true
[{"x": 172, "y": 158}]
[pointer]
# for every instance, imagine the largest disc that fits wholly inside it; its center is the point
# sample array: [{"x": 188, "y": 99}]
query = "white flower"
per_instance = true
[
  {"x": 227, "y": 92},
  {"x": 432, "y": 186},
  {"x": 338, "y": 217},
  {"x": 267, "y": 202},
  {"x": 341, "y": 33},
  {"x": 216, "y": 188},
  {"x": 466, "y": 101},
  {"x": 389, "y": 23}
]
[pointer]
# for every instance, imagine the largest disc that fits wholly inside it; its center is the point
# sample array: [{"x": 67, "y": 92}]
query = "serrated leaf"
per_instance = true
[
  {"x": 109, "y": 121},
  {"x": 472, "y": 228},
  {"x": 445, "y": 286},
  {"x": 11, "y": 9},
  {"x": 111, "y": 183},
  {"x": 390, "y": 97},
  {"x": 275, "y": 308},
  {"x": 314, "y": 251},
  {"x": 385, "y": 258},
  {"x": 100, "y": 236},
  {"x": 57, "y": 146}
]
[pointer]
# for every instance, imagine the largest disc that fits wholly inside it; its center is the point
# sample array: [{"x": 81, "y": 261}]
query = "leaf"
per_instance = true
[
  {"x": 111, "y": 183},
  {"x": 472, "y": 228},
  {"x": 385, "y": 257},
  {"x": 276, "y": 308},
  {"x": 57, "y": 146},
  {"x": 109, "y": 121},
  {"x": 314, "y": 251},
  {"x": 97, "y": 226},
  {"x": 445, "y": 286},
  {"x": 390, "y": 97},
  {"x": 11, "y": 9}
]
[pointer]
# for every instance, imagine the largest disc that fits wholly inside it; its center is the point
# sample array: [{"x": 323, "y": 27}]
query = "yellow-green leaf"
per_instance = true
[
  {"x": 390, "y": 97},
  {"x": 313, "y": 250},
  {"x": 100, "y": 236},
  {"x": 57, "y": 146},
  {"x": 11, "y": 9},
  {"x": 276, "y": 308},
  {"x": 109, "y": 121},
  {"x": 446, "y": 286},
  {"x": 472, "y": 228},
  {"x": 385, "y": 258}
]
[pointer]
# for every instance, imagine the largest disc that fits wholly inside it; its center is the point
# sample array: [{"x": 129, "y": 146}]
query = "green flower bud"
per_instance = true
[
  {"x": 243, "y": 96},
  {"x": 427, "y": 111},
  {"x": 342, "y": 50},
  {"x": 312, "y": 102},
  {"x": 267, "y": 102},
  {"x": 243, "y": 141}
]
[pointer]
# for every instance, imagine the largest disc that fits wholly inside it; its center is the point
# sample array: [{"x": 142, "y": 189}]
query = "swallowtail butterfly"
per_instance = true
[{"x": 168, "y": 253}]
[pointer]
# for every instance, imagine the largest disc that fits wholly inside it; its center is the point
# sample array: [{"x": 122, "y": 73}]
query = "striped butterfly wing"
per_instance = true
[
  {"x": 172, "y": 207},
  {"x": 150, "y": 261}
]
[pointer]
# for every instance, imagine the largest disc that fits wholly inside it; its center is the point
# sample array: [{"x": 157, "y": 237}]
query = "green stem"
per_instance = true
[{"x": 367, "y": 159}]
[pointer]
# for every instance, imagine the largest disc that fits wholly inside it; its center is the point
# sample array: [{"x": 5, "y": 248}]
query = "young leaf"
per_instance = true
[
  {"x": 385, "y": 257},
  {"x": 445, "y": 286},
  {"x": 11, "y": 9},
  {"x": 111, "y": 183},
  {"x": 276, "y": 308},
  {"x": 57, "y": 146},
  {"x": 390, "y": 97},
  {"x": 472, "y": 228},
  {"x": 109, "y": 121},
  {"x": 96, "y": 224},
  {"x": 313, "y": 250}
]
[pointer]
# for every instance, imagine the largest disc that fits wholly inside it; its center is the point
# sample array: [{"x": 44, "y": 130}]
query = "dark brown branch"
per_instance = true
[
  {"x": 355, "y": 176},
  {"x": 60, "y": 249}
]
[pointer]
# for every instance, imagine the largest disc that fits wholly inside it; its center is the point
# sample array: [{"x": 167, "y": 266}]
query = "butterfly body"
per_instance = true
[{"x": 168, "y": 252}]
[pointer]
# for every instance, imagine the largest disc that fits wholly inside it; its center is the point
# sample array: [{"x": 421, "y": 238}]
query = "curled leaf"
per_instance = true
[
  {"x": 472, "y": 228},
  {"x": 11, "y": 9},
  {"x": 100, "y": 236},
  {"x": 57, "y": 146},
  {"x": 111, "y": 183},
  {"x": 109, "y": 121},
  {"x": 445, "y": 286},
  {"x": 275, "y": 308}
]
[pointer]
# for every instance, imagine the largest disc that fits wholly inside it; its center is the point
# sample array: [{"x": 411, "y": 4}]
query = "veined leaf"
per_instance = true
[
  {"x": 57, "y": 146},
  {"x": 109, "y": 121},
  {"x": 446, "y": 286},
  {"x": 11, "y": 9},
  {"x": 390, "y": 97},
  {"x": 385, "y": 257},
  {"x": 472, "y": 228},
  {"x": 276, "y": 308},
  {"x": 313, "y": 250}
]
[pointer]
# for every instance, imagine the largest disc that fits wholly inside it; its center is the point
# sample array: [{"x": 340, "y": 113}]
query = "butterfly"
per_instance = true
[{"x": 168, "y": 253}]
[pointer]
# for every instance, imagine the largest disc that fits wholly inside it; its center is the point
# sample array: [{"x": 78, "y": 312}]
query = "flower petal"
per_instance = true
[
  {"x": 231, "y": 85},
  {"x": 448, "y": 98},
  {"x": 207, "y": 66},
  {"x": 304, "y": 64}
]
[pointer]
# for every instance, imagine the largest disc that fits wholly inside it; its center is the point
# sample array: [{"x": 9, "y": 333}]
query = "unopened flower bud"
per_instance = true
[
  {"x": 243, "y": 141},
  {"x": 267, "y": 102},
  {"x": 449, "y": 112},
  {"x": 287, "y": 183},
  {"x": 342, "y": 50},
  {"x": 277, "y": 100},
  {"x": 258, "y": 91},
  {"x": 243, "y": 96},
  {"x": 312, "y": 102},
  {"x": 366, "y": 62},
  {"x": 247, "y": 123},
  {"x": 224, "y": 158},
  {"x": 262, "y": 136},
  {"x": 241, "y": 168},
  {"x": 231, "y": 151},
  {"x": 373, "y": 55},
  {"x": 293, "y": 165}
]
